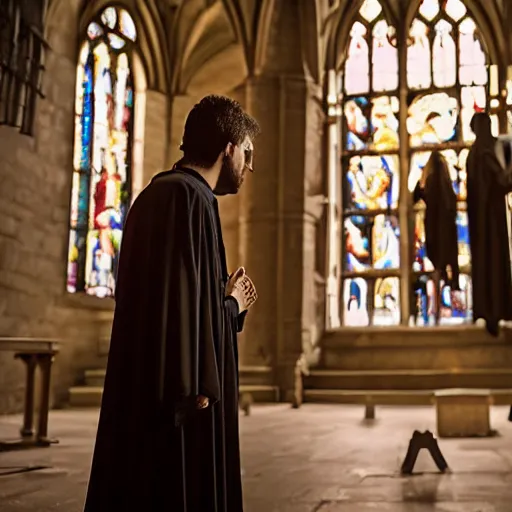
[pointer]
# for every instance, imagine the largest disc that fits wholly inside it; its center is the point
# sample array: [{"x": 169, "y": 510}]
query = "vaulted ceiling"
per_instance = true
[{"x": 190, "y": 45}]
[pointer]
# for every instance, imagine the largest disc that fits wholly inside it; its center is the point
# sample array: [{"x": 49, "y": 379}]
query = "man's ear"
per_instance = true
[{"x": 229, "y": 149}]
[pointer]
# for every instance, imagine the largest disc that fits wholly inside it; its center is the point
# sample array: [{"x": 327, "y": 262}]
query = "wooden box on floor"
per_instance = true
[{"x": 463, "y": 412}]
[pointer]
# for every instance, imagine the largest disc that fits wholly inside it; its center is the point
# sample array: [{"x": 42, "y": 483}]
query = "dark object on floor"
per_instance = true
[
  {"x": 15, "y": 470},
  {"x": 419, "y": 441},
  {"x": 369, "y": 412},
  {"x": 510, "y": 414}
]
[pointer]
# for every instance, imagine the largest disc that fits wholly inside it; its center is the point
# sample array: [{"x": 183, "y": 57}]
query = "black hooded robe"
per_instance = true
[
  {"x": 173, "y": 338},
  {"x": 487, "y": 186}
]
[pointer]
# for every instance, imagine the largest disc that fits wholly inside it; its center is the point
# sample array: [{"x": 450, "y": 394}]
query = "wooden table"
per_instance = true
[{"x": 34, "y": 352}]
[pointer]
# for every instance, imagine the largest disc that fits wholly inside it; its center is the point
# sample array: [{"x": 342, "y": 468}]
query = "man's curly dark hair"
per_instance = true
[{"x": 211, "y": 124}]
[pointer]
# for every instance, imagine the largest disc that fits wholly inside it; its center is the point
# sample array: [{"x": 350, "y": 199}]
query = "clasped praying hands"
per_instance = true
[{"x": 241, "y": 288}]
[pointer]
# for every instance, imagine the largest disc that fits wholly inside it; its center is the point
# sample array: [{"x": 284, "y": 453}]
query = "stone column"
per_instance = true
[{"x": 272, "y": 224}]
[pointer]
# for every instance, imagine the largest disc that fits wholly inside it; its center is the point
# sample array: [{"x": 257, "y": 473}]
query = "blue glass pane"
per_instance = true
[
  {"x": 87, "y": 113},
  {"x": 83, "y": 201}
]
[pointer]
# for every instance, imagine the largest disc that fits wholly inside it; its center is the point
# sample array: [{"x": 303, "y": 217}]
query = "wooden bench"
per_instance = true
[{"x": 35, "y": 353}]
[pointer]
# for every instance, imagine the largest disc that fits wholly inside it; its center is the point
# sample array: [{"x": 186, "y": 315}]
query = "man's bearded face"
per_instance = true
[{"x": 234, "y": 167}]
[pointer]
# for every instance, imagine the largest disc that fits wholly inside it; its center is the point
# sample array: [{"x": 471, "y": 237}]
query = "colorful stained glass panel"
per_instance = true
[
  {"x": 384, "y": 123},
  {"x": 357, "y": 66},
  {"x": 355, "y": 303},
  {"x": 421, "y": 262},
  {"x": 433, "y": 119},
  {"x": 463, "y": 238},
  {"x": 371, "y": 242},
  {"x": 100, "y": 195},
  {"x": 356, "y": 112},
  {"x": 456, "y": 305},
  {"x": 473, "y": 63},
  {"x": 384, "y": 59},
  {"x": 386, "y": 306},
  {"x": 74, "y": 199},
  {"x": 418, "y": 57},
  {"x": 72, "y": 262},
  {"x": 444, "y": 55},
  {"x": 372, "y": 182},
  {"x": 380, "y": 132},
  {"x": 453, "y": 307},
  {"x": 425, "y": 301},
  {"x": 102, "y": 259}
]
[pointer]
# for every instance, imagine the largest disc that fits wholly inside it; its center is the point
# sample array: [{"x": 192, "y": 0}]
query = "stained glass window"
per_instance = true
[
  {"x": 371, "y": 177},
  {"x": 449, "y": 79},
  {"x": 101, "y": 184},
  {"x": 452, "y": 51}
]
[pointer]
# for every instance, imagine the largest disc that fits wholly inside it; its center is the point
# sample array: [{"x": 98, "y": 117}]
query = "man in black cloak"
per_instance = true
[
  {"x": 168, "y": 435},
  {"x": 487, "y": 185}
]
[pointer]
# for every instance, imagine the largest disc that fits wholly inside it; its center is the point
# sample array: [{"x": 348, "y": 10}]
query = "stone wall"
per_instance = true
[
  {"x": 35, "y": 189},
  {"x": 35, "y": 177}
]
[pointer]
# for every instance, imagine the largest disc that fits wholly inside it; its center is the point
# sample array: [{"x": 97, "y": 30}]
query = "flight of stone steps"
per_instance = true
[
  {"x": 405, "y": 366},
  {"x": 383, "y": 366},
  {"x": 253, "y": 381}
]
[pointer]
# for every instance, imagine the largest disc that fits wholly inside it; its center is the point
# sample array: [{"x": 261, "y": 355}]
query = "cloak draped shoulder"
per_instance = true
[{"x": 173, "y": 338}]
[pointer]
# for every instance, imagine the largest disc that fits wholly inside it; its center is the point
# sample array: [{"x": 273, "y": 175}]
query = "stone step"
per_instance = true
[
  {"x": 85, "y": 396},
  {"x": 406, "y": 348},
  {"x": 256, "y": 375},
  {"x": 389, "y": 396},
  {"x": 400, "y": 336},
  {"x": 90, "y": 396},
  {"x": 249, "y": 375},
  {"x": 95, "y": 378},
  {"x": 414, "y": 357},
  {"x": 424, "y": 379},
  {"x": 260, "y": 394}
]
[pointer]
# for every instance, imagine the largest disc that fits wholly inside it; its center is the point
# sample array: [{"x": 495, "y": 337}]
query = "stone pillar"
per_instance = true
[
  {"x": 272, "y": 225},
  {"x": 155, "y": 134}
]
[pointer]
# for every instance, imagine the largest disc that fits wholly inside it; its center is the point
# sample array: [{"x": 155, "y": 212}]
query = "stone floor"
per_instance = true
[{"x": 315, "y": 459}]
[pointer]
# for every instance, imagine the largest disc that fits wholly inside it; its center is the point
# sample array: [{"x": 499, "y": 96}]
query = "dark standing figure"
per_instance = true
[
  {"x": 487, "y": 185},
  {"x": 168, "y": 431},
  {"x": 441, "y": 240},
  {"x": 435, "y": 188}
]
